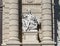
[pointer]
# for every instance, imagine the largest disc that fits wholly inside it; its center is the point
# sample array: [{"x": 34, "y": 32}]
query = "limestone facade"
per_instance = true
[{"x": 40, "y": 8}]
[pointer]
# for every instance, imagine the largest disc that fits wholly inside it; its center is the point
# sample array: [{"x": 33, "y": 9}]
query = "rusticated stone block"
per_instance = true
[
  {"x": 14, "y": 22},
  {"x": 46, "y": 16},
  {"x": 14, "y": 17},
  {"x": 13, "y": 11},
  {"x": 46, "y": 11},
  {"x": 14, "y": 6},
  {"x": 44, "y": 6},
  {"x": 13, "y": 28},
  {"x": 46, "y": 34},
  {"x": 44, "y": 1},
  {"x": 46, "y": 28},
  {"x": 14, "y": 1},
  {"x": 46, "y": 22}
]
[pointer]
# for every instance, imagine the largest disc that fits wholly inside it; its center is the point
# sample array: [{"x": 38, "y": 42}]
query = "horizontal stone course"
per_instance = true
[
  {"x": 6, "y": 10},
  {"x": 5, "y": 17},
  {"x": 46, "y": 18},
  {"x": 46, "y": 11},
  {"x": 44, "y": 1},
  {"x": 46, "y": 21},
  {"x": 13, "y": 1},
  {"x": 46, "y": 5},
  {"x": 47, "y": 27},
  {"x": 32, "y": 7},
  {"x": 47, "y": 34},
  {"x": 14, "y": 17},
  {"x": 15, "y": 6},
  {"x": 32, "y": 1},
  {"x": 46, "y": 38},
  {"x": 14, "y": 12}
]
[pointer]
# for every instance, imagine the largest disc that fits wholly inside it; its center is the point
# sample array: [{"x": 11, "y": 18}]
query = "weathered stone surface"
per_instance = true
[
  {"x": 46, "y": 16},
  {"x": 10, "y": 17},
  {"x": 31, "y": 45},
  {"x": 48, "y": 1},
  {"x": 13, "y": 1},
  {"x": 46, "y": 6},
  {"x": 31, "y": 1},
  {"x": 5, "y": 28},
  {"x": 46, "y": 24},
  {"x": 34, "y": 8},
  {"x": 46, "y": 34},
  {"x": 30, "y": 38},
  {"x": 46, "y": 28}
]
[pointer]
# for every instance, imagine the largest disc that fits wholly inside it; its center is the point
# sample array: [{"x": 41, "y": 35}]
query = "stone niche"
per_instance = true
[{"x": 29, "y": 29}]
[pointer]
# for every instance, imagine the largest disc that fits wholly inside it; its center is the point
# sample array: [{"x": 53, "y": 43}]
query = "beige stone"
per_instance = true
[
  {"x": 10, "y": 22},
  {"x": 46, "y": 11},
  {"x": 46, "y": 22},
  {"x": 13, "y": 1},
  {"x": 13, "y": 11},
  {"x": 44, "y": 1},
  {"x": 46, "y": 16},
  {"x": 46, "y": 28},
  {"x": 32, "y": 7},
  {"x": 46, "y": 34},
  {"x": 15, "y": 6},
  {"x": 30, "y": 37},
  {"x": 32, "y": 1},
  {"x": 46, "y": 6}
]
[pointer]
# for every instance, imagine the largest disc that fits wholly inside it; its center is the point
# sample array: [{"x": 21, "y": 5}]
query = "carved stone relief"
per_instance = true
[{"x": 29, "y": 22}]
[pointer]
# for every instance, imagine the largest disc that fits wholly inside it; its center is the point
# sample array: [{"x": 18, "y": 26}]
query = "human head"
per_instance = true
[{"x": 29, "y": 11}]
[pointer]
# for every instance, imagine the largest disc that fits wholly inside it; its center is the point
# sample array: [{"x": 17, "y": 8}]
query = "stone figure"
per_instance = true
[{"x": 29, "y": 22}]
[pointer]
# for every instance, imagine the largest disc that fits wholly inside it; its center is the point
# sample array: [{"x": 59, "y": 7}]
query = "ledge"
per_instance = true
[
  {"x": 31, "y": 3},
  {"x": 31, "y": 31},
  {"x": 53, "y": 43},
  {"x": 48, "y": 43}
]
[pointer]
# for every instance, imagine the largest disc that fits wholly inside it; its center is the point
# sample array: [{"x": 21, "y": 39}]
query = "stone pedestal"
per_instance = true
[{"x": 30, "y": 38}]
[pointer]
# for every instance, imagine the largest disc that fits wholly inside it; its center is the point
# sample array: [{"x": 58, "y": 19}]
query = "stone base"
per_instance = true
[
  {"x": 30, "y": 37},
  {"x": 3, "y": 44},
  {"x": 30, "y": 45},
  {"x": 13, "y": 43},
  {"x": 48, "y": 43}
]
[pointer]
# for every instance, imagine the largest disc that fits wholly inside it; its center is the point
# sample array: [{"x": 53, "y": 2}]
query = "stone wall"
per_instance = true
[{"x": 10, "y": 30}]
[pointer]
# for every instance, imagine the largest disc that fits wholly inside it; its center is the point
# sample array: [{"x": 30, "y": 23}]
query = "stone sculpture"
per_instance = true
[{"x": 29, "y": 22}]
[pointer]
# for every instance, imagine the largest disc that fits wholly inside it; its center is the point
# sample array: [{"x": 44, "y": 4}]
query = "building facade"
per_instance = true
[{"x": 47, "y": 12}]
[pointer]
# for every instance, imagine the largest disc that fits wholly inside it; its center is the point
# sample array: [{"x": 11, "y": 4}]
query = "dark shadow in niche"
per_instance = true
[
  {"x": 20, "y": 20},
  {"x": 1, "y": 10},
  {"x": 56, "y": 18},
  {"x": 38, "y": 27}
]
